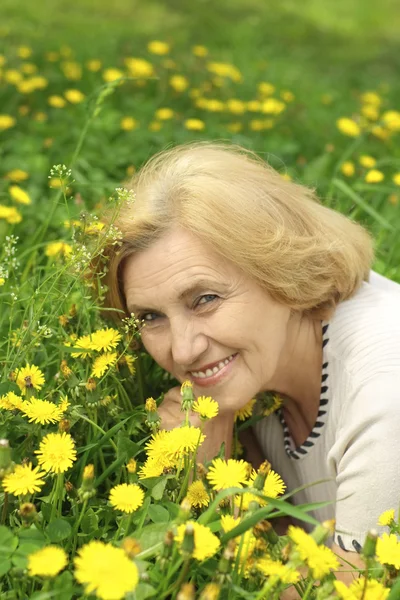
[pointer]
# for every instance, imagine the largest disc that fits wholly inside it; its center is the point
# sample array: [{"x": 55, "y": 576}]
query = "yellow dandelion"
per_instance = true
[
  {"x": 6, "y": 122},
  {"x": 42, "y": 411},
  {"x": 367, "y": 161},
  {"x": 19, "y": 195},
  {"x": 94, "y": 65},
  {"x": 103, "y": 363},
  {"x": 197, "y": 494},
  {"x": 24, "y": 480},
  {"x": 272, "y": 568},
  {"x": 47, "y": 562},
  {"x": 105, "y": 571},
  {"x": 11, "y": 401},
  {"x": 206, "y": 407},
  {"x": 182, "y": 440},
  {"x": 138, "y": 67},
  {"x": 127, "y": 497},
  {"x": 74, "y": 96},
  {"x": 347, "y": 168},
  {"x": 10, "y": 214},
  {"x": 157, "y": 47},
  {"x": 319, "y": 559},
  {"x": 361, "y": 590},
  {"x": 348, "y": 127},
  {"x": 388, "y": 550},
  {"x": 224, "y": 474},
  {"x": 110, "y": 75},
  {"x": 29, "y": 377},
  {"x": 273, "y": 487},
  {"x": 265, "y": 88},
  {"x": 194, "y": 124},
  {"x": 391, "y": 119},
  {"x": 56, "y": 101},
  {"x": 396, "y": 178},
  {"x": 374, "y": 176},
  {"x": 244, "y": 413},
  {"x": 371, "y": 98},
  {"x": 84, "y": 345},
  {"x": 179, "y": 83},
  {"x": 104, "y": 339},
  {"x": 206, "y": 544},
  {"x": 163, "y": 114},
  {"x": 16, "y": 175},
  {"x": 228, "y": 522},
  {"x": 200, "y": 51},
  {"x": 387, "y": 517},
  {"x": 56, "y": 452},
  {"x": 24, "y": 51},
  {"x": 154, "y": 467},
  {"x": 128, "y": 123}
]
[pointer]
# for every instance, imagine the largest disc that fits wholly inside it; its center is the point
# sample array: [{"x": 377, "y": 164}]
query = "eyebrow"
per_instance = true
[{"x": 195, "y": 287}]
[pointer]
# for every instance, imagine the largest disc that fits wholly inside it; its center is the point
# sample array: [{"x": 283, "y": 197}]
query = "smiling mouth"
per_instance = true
[{"x": 209, "y": 372}]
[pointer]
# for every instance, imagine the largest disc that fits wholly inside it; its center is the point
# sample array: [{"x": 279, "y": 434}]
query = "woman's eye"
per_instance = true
[
  {"x": 206, "y": 298},
  {"x": 148, "y": 317}
]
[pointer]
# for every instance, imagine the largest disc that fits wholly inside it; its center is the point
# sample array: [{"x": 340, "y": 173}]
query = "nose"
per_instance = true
[{"x": 188, "y": 342}]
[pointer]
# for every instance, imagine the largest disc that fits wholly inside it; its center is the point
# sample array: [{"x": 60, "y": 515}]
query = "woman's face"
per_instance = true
[{"x": 205, "y": 320}]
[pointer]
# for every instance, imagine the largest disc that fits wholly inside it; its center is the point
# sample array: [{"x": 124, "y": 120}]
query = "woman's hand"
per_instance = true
[{"x": 217, "y": 431}]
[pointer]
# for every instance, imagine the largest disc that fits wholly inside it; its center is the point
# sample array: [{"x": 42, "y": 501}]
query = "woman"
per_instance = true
[{"x": 246, "y": 284}]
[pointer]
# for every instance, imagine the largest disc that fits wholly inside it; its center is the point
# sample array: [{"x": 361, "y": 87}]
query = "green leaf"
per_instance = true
[
  {"x": 8, "y": 542},
  {"x": 5, "y": 566},
  {"x": 20, "y": 557},
  {"x": 158, "y": 514},
  {"x": 158, "y": 490},
  {"x": 58, "y": 530},
  {"x": 151, "y": 535},
  {"x": 317, "y": 169},
  {"x": 143, "y": 591},
  {"x": 125, "y": 447},
  {"x": 343, "y": 187},
  {"x": 90, "y": 522},
  {"x": 64, "y": 585}
]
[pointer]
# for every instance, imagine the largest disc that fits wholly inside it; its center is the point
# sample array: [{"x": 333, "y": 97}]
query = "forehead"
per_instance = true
[{"x": 173, "y": 263}]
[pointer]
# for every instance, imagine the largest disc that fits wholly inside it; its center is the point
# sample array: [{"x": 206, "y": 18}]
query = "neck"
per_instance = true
[{"x": 298, "y": 377}]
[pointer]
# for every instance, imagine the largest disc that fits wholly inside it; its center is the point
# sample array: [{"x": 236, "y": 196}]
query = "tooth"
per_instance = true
[
  {"x": 208, "y": 372},
  {"x": 221, "y": 364},
  {"x": 201, "y": 375},
  {"x": 216, "y": 369}
]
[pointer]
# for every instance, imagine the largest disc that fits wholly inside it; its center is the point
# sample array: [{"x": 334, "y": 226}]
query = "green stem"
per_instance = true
[
  {"x": 77, "y": 525},
  {"x": 308, "y": 589},
  {"x": 5, "y": 509}
]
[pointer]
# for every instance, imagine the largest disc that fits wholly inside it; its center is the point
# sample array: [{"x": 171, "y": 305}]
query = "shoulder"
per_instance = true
[{"x": 364, "y": 333}]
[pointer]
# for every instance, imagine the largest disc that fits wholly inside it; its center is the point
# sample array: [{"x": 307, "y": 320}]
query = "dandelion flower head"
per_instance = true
[
  {"x": 206, "y": 544},
  {"x": 24, "y": 480},
  {"x": 105, "y": 571},
  {"x": 29, "y": 377},
  {"x": 319, "y": 559},
  {"x": 205, "y": 407},
  {"x": 197, "y": 494},
  {"x": 127, "y": 497},
  {"x": 224, "y": 474},
  {"x": 42, "y": 411},
  {"x": 103, "y": 362},
  {"x": 244, "y": 413},
  {"x": 56, "y": 452},
  {"x": 104, "y": 340},
  {"x": 47, "y": 562},
  {"x": 362, "y": 590},
  {"x": 388, "y": 550},
  {"x": 386, "y": 517}
]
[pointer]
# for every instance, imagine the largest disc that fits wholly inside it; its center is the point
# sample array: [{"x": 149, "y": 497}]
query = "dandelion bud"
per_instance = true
[
  {"x": 187, "y": 395},
  {"x": 88, "y": 473},
  {"x": 5, "y": 456},
  {"x": 63, "y": 320},
  {"x": 87, "y": 490},
  {"x": 91, "y": 384},
  {"x": 131, "y": 547},
  {"x": 322, "y": 531},
  {"x": 131, "y": 466},
  {"x": 187, "y": 547},
  {"x": 186, "y": 592},
  {"x": 28, "y": 513},
  {"x": 71, "y": 490},
  {"x": 369, "y": 547},
  {"x": 184, "y": 511},
  {"x": 262, "y": 473},
  {"x": 150, "y": 405},
  {"x": 72, "y": 311},
  {"x": 210, "y": 592},
  {"x": 64, "y": 425},
  {"x": 65, "y": 370},
  {"x": 225, "y": 562},
  {"x": 201, "y": 471}
]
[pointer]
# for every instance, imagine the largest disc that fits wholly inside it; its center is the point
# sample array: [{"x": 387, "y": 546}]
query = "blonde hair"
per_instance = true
[{"x": 305, "y": 255}]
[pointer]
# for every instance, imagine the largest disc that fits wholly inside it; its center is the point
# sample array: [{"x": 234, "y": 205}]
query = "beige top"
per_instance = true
[{"x": 355, "y": 443}]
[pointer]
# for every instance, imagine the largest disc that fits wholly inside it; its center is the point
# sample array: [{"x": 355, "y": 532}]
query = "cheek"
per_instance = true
[{"x": 157, "y": 347}]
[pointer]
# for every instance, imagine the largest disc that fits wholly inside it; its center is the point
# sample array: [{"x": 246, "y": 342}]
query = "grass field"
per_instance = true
[{"x": 88, "y": 92}]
